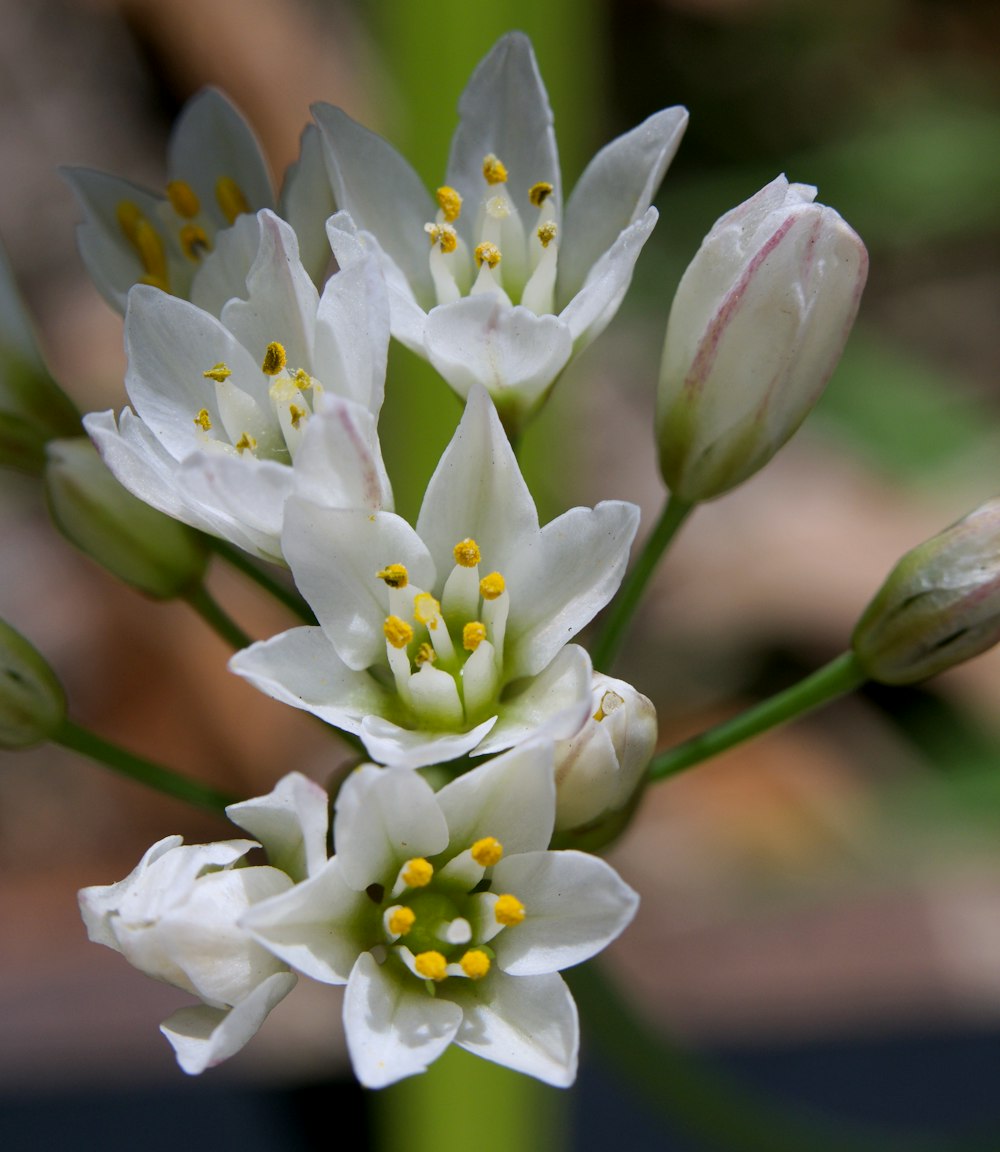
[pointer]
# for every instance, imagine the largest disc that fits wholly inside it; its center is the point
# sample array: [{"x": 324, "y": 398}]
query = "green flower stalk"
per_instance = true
[{"x": 32, "y": 701}]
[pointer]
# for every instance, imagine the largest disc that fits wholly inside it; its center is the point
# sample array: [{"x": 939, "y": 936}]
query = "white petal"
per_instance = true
[
  {"x": 616, "y": 188},
  {"x": 513, "y": 353},
  {"x": 511, "y": 798},
  {"x": 394, "y": 1029},
  {"x": 560, "y": 579},
  {"x": 307, "y": 203},
  {"x": 100, "y": 902},
  {"x": 388, "y": 743},
  {"x": 380, "y": 190},
  {"x": 316, "y": 926},
  {"x": 505, "y": 110},
  {"x": 203, "y": 1037},
  {"x": 222, "y": 274},
  {"x": 385, "y": 816},
  {"x": 575, "y": 903},
  {"x": 339, "y": 460},
  {"x": 554, "y": 704},
  {"x": 291, "y": 822},
  {"x": 301, "y": 668},
  {"x": 528, "y": 1023}
]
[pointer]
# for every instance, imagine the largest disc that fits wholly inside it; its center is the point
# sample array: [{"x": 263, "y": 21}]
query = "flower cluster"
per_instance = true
[{"x": 444, "y": 649}]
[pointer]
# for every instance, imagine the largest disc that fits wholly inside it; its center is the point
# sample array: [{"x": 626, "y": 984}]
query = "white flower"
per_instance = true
[
  {"x": 448, "y": 920},
  {"x": 599, "y": 769},
  {"x": 758, "y": 324},
  {"x": 224, "y": 407},
  {"x": 452, "y": 637},
  {"x": 491, "y": 281}
]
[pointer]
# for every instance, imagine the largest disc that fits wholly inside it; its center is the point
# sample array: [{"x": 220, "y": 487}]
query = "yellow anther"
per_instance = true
[
  {"x": 128, "y": 215},
  {"x": 492, "y": 586},
  {"x": 443, "y": 235},
  {"x": 417, "y": 873},
  {"x": 194, "y": 241},
  {"x": 508, "y": 910},
  {"x": 466, "y": 553},
  {"x": 487, "y": 253},
  {"x": 473, "y": 634},
  {"x": 475, "y": 964},
  {"x": 275, "y": 358},
  {"x": 149, "y": 245},
  {"x": 183, "y": 199},
  {"x": 303, "y": 379},
  {"x": 218, "y": 373},
  {"x": 245, "y": 441},
  {"x": 450, "y": 203},
  {"x": 431, "y": 965},
  {"x": 401, "y": 921},
  {"x": 230, "y": 198},
  {"x": 425, "y": 655},
  {"x": 539, "y": 193},
  {"x": 395, "y": 575},
  {"x": 426, "y": 610},
  {"x": 487, "y": 852},
  {"x": 610, "y": 702},
  {"x": 397, "y": 631},
  {"x": 494, "y": 170},
  {"x": 297, "y": 414},
  {"x": 203, "y": 420},
  {"x": 547, "y": 233}
]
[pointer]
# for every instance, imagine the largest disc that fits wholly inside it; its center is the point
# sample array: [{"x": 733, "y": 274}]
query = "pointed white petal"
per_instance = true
[
  {"x": 101, "y": 902},
  {"x": 307, "y": 203},
  {"x": 339, "y": 461},
  {"x": 575, "y": 903},
  {"x": 616, "y": 188},
  {"x": 528, "y": 1023},
  {"x": 291, "y": 822},
  {"x": 388, "y": 743},
  {"x": 222, "y": 274},
  {"x": 203, "y": 1037}
]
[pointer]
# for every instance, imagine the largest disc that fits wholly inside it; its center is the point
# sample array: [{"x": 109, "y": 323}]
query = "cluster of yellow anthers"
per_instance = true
[
  {"x": 149, "y": 242},
  {"x": 432, "y": 914},
  {"x": 286, "y": 396}
]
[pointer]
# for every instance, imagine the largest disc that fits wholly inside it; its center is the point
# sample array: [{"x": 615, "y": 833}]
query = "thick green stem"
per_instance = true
[
  {"x": 245, "y": 564},
  {"x": 674, "y": 513},
  {"x": 843, "y": 674},
  {"x": 144, "y": 771},
  {"x": 212, "y": 613}
]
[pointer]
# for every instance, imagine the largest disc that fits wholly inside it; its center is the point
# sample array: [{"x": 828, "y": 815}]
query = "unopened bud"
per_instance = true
[
  {"x": 140, "y": 545},
  {"x": 939, "y": 606},
  {"x": 32, "y": 702},
  {"x": 758, "y": 324}
]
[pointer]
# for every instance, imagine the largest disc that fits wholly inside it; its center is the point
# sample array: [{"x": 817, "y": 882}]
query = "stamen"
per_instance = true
[
  {"x": 475, "y": 963},
  {"x": 457, "y": 931},
  {"x": 466, "y": 553},
  {"x": 443, "y": 235},
  {"x": 183, "y": 199},
  {"x": 304, "y": 380},
  {"x": 431, "y": 965},
  {"x": 610, "y": 702},
  {"x": 418, "y": 872},
  {"x": 203, "y": 420},
  {"x": 245, "y": 441},
  {"x": 488, "y": 254},
  {"x": 426, "y": 610},
  {"x": 547, "y": 232},
  {"x": 539, "y": 193},
  {"x": 491, "y": 587},
  {"x": 275, "y": 358},
  {"x": 297, "y": 414},
  {"x": 128, "y": 216},
  {"x": 494, "y": 170},
  {"x": 230, "y": 198},
  {"x": 194, "y": 241},
  {"x": 425, "y": 655},
  {"x": 149, "y": 245},
  {"x": 397, "y": 631},
  {"x": 219, "y": 373},
  {"x": 487, "y": 852},
  {"x": 498, "y": 207},
  {"x": 450, "y": 203},
  {"x": 508, "y": 910},
  {"x": 401, "y": 920},
  {"x": 395, "y": 575},
  {"x": 473, "y": 634}
]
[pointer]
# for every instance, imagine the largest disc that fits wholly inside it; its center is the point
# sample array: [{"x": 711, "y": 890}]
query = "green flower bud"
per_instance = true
[
  {"x": 940, "y": 605},
  {"x": 140, "y": 545},
  {"x": 32, "y": 702}
]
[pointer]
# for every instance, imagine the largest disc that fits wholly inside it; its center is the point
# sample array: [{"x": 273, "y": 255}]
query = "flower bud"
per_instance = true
[
  {"x": 601, "y": 768},
  {"x": 758, "y": 324},
  {"x": 32, "y": 702},
  {"x": 939, "y": 606},
  {"x": 140, "y": 545}
]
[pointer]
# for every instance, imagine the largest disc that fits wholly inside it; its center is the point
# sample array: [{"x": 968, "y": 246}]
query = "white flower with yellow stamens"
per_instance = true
[
  {"x": 280, "y": 394},
  {"x": 449, "y": 921},
  {"x": 451, "y": 638},
  {"x": 509, "y": 286}
]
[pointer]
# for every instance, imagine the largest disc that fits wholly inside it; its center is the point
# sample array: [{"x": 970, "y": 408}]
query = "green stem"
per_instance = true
[
  {"x": 202, "y": 601},
  {"x": 144, "y": 771},
  {"x": 674, "y": 513},
  {"x": 843, "y": 674},
  {"x": 245, "y": 564}
]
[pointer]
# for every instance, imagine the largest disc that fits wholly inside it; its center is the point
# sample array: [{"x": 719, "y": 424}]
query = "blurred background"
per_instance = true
[{"x": 819, "y": 936}]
